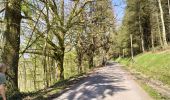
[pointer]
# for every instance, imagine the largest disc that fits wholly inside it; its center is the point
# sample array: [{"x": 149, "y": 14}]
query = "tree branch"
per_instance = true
[
  {"x": 2, "y": 10},
  {"x": 54, "y": 8},
  {"x": 39, "y": 53},
  {"x": 28, "y": 44}
]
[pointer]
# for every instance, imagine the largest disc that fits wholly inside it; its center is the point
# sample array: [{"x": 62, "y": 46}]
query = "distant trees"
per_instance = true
[
  {"x": 103, "y": 25},
  {"x": 148, "y": 22}
]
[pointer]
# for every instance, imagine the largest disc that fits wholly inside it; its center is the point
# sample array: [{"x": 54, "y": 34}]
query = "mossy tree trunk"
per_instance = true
[
  {"x": 91, "y": 56},
  {"x": 91, "y": 62},
  {"x": 61, "y": 44},
  {"x": 59, "y": 57},
  {"x": 11, "y": 38},
  {"x": 79, "y": 65}
]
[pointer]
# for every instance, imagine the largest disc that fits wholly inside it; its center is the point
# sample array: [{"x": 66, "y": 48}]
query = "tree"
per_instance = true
[
  {"x": 60, "y": 27},
  {"x": 101, "y": 27},
  {"x": 11, "y": 39},
  {"x": 163, "y": 24}
]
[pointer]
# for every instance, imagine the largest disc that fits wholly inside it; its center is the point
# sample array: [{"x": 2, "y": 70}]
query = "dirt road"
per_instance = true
[{"x": 106, "y": 83}]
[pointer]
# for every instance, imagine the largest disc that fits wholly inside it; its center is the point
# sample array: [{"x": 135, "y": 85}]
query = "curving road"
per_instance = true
[{"x": 106, "y": 83}]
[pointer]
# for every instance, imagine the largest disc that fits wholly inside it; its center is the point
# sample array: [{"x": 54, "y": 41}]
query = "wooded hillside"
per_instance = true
[{"x": 147, "y": 21}]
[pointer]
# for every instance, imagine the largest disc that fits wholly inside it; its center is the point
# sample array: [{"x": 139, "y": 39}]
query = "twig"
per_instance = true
[{"x": 32, "y": 34}]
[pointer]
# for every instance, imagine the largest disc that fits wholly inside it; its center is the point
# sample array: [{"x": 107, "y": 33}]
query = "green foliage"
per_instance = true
[
  {"x": 26, "y": 80},
  {"x": 25, "y": 9}
]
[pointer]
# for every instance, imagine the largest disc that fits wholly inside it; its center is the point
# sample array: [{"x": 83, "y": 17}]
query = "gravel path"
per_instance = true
[{"x": 106, "y": 83}]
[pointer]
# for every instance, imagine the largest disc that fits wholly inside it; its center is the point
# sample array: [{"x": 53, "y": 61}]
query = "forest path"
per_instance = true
[{"x": 106, "y": 83}]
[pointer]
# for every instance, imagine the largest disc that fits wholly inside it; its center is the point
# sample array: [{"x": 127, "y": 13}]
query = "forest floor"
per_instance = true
[{"x": 105, "y": 83}]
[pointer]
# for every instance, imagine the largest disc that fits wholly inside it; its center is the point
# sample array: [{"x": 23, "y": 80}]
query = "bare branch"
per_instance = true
[
  {"x": 38, "y": 53},
  {"x": 54, "y": 8},
  {"x": 72, "y": 12},
  {"x": 2, "y": 10},
  {"x": 28, "y": 44}
]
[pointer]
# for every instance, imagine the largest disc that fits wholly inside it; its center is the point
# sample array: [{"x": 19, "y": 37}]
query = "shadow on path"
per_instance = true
[{"x": 98, "y": 85}]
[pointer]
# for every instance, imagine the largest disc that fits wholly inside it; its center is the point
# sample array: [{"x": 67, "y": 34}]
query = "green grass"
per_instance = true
[
  {"x": 153, "y": 65},
  {"x": 153, "y": 93}
]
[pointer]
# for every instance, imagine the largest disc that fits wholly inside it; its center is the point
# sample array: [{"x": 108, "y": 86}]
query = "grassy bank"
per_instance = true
[{"x": 155, "y": 66}]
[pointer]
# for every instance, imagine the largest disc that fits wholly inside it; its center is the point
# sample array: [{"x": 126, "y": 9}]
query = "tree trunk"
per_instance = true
[
  {"x": 61, "y": 44},
  {"x": 131, "y": 39},
  {"x": 59, "y": 57},
  {"x": 35, "y": 74},
  {"x": 152, "y": 41},
  {"x": 45, "y": 60},
  {"x": 142, "y": 43},
  {"x": 10, "y": 55},
  {"x": 61, "y": 66},
  {"x": 169, "y": 6},
  {"x": 123, "y": 53},
  {"x": 25, "y": 76},
  {"x": 104, "y": 60},
  {"x": 163, "y": 24},
  {"x": 159, "y": 31},
  {"x": 91, "y": 61},
  {"x": 45, "y": 67},
  {"x": 52, "y": 70},
  {"x": 80, "y": 63},
  {"x": 168, "y": 22},
  {"x": 140, "y": 29},
  {"x": 141, "y": 32}
]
